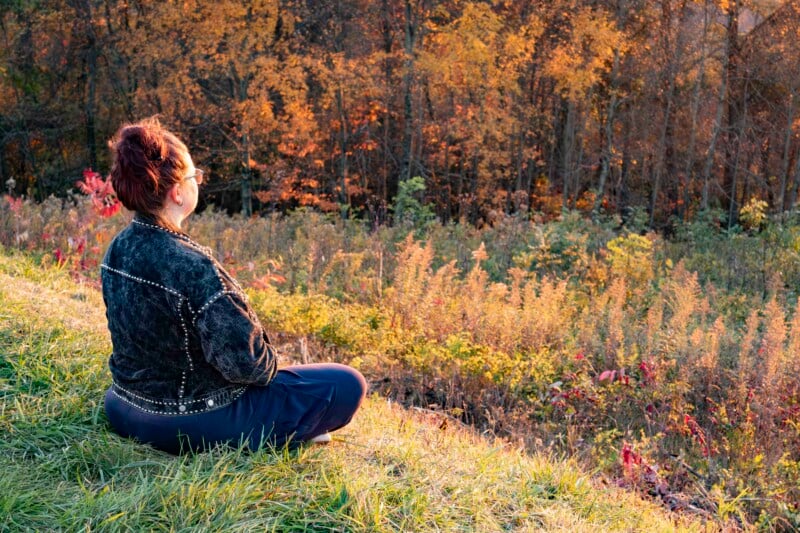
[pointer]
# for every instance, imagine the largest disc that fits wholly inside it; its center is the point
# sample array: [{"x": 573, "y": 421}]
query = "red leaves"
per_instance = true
[
  {"x": 698, "y": 435},
  {"x": 636, "y": 469},
  {"x": 93, "y": 184},
  {"x": 101, "y": 192},
  {"x": 638, "y": 473},
  {"x": 629, "y": 457},
  {"x": 15, "y": 204},
  {"x": 79, "y": 244},
  {"x": 648, "y": 374}
]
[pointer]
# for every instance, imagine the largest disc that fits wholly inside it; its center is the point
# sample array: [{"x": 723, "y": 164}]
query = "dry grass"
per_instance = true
[{"x": 392, "y": 469}]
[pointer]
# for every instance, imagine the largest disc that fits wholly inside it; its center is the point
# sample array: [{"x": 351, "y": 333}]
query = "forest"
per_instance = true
[{"x": 663, "y": 107}]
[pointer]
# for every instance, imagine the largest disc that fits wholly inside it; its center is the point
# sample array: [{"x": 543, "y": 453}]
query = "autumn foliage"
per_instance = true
[{"x": 669, "y": 107}]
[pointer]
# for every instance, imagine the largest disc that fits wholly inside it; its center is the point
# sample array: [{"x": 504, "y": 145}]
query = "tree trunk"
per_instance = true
[
  {"x": 664, "y": 150},
  {"x": 658, "y": 168},
  {"x": 734, "y": 101},
  {"x": 85, "y": 28},
  {"x": 91, "y": 91},
  {"x": 247, "y": 180},
  {"x": 418, "y": 167},
  {"x": 344, "y": 197},
  {"x": 578, "y": 141},
  {"x": 518, "y": 163},
  {"x": 735, "y": 200},
  {"x": 795, "y": 180},
  {"x": 554, "y": 159},
  {"x": 763, "y": 167},
  {"x": 746, "y": 185},
  {"x": 407, "y": 165},
  {"x": 122, "y": 79},
  {"x": 446, "y": 189},
  {"x": 566, "y": 147},
  {"x": 624, "y": 171},
  {"x": 721, "y": 95},
  {"x": 462, "y": 165},
  {"x": 388, "y": 72},
  {"x": 695, "y": 110},
  {"x": 787, "y": 145},
  {"x": 608, "y": 137}
]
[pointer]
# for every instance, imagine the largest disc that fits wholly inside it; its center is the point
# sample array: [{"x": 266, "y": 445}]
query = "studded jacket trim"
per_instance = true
[{"x": 187, "y": 407}]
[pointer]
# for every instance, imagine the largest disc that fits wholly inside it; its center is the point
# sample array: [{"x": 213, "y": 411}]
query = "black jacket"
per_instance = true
[{"x": 184, "y": 337}]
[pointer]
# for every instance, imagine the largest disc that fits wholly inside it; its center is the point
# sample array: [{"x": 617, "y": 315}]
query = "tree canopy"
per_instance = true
[{"x": 672, "y": 106}]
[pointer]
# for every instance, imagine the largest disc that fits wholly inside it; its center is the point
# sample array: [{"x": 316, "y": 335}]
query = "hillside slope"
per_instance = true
[{"x": 391, "y": 470}]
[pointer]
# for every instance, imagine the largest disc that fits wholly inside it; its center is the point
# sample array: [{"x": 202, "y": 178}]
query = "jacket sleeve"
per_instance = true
[{"x": 233, "y": 340}]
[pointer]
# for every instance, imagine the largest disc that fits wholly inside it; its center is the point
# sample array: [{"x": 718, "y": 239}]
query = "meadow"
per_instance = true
[
  {"x": 392, "y": 469},
  {"x": 667, "y": 366}
]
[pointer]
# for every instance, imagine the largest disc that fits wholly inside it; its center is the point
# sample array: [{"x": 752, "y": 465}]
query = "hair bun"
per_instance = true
[
  {"x": 156, "y": 149},
  {"x": 149, "y": 140},
  {"x": 148, "y": 160}
]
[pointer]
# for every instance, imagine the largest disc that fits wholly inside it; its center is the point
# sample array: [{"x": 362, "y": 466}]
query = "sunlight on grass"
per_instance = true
[{"x": 391, "y": 470}]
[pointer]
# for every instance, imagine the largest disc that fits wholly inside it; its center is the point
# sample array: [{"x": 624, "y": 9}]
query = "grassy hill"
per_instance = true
[{"x": 391, "y": 470}]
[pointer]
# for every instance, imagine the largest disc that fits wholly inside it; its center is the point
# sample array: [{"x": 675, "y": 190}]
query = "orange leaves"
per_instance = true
[
  {"x": 299, "y": 139},
  {"x": 267, "y": 280},
  {"x": 293, "y": 148},
  {"x": 580, "y": 61},
  {"x": 224, "y": 63},
  {"x": 290, "y": 187},
  {"x": 480, "y": 255},
  {"x": 520, "y": 45},
  {"x": 464, "y": 52}
]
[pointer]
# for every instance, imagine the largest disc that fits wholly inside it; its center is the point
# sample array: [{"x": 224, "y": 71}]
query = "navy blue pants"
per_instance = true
[{"x": 300, "y": 403}]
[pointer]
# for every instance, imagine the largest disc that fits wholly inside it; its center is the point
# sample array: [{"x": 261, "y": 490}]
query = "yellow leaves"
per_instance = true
[
  {"x": 516, "y": 45},
  {"x": 580, "y": 62},
  {"x": 529, "y": 315},
  {"x": 475, "y": 64},
  {"x": 227, "y": 59},
  {"x": 754, "y": 214},
  {"x": 474, "y": 50},
  {"x": 631, "y": 257},
  {"x": 519, "y": 47},
  {"x": 522, "y": 43}
]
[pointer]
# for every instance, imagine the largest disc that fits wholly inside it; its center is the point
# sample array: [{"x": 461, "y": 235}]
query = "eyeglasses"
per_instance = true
[{"x": 197, "y": 176}]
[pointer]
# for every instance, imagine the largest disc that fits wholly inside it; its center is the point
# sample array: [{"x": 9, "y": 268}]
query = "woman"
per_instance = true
[{"x": 191, "y": 364}]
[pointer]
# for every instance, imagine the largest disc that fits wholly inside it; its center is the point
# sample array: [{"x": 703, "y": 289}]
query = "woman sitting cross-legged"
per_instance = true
[{"x": 191, "y": 365}]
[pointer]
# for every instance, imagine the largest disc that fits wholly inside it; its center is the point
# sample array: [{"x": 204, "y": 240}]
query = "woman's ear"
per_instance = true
[{"x": 175, "y": 194}]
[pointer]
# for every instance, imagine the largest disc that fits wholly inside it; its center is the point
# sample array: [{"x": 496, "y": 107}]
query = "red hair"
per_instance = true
[{"x": 148, "y": 161}]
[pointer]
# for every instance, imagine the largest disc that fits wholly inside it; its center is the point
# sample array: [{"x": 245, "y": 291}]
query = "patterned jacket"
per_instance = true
[{"x": 184, "y": 337}]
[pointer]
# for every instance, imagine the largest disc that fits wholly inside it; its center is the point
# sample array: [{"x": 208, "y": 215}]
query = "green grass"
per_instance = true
[{"x": 391, "y": 470}]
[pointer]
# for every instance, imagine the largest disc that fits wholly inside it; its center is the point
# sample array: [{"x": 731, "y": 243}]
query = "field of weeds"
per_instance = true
[{"x": 668, "y": 366}]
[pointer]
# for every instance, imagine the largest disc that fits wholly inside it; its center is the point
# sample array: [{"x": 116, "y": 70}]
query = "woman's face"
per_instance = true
[{"x": 192, "y": 177}]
